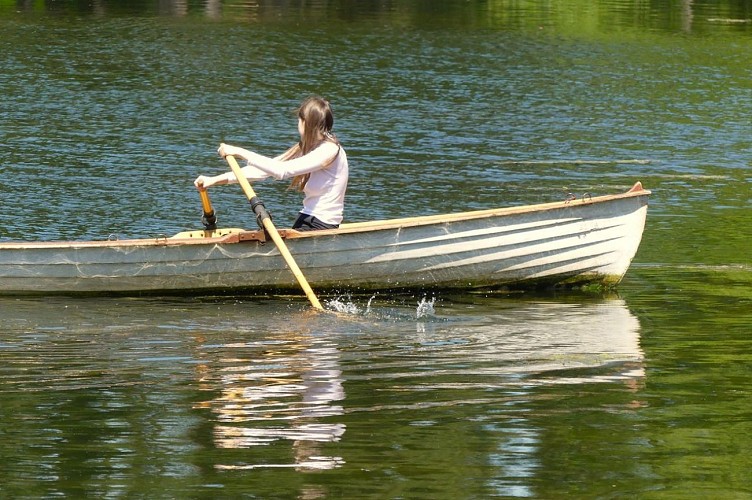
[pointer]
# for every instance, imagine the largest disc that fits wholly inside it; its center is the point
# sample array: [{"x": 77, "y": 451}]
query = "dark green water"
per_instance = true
[{"x": 109, "y": 111}]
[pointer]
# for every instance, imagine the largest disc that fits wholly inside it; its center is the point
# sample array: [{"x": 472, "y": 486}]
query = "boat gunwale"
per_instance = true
[
  {"x": 237, "y": 235},
  {"x": 636, "y": 191}
]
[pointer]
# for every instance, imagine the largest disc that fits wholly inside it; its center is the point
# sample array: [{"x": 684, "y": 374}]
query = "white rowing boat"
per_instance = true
[{"x": 572, "y": 242}]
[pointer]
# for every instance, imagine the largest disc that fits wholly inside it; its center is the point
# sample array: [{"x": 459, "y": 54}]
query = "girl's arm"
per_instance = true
[
  {"x": 319, "y": 158},
  {"x": 250, "y": 172}
]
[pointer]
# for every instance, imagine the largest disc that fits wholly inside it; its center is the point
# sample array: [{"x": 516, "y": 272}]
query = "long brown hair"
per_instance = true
[{"x": 318, "y": 121}]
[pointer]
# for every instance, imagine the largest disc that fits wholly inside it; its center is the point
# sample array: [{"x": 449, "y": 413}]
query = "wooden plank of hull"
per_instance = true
[{"x": 585, "y": 240}]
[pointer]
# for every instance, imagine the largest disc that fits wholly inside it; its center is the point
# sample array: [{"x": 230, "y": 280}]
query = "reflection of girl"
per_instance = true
[
  {"x": 288, "y": 394},
  {"x": 317, "y": 166}
]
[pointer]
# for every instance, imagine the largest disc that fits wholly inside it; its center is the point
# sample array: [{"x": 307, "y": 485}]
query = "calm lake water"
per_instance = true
[{"x": 110, "y": 110}]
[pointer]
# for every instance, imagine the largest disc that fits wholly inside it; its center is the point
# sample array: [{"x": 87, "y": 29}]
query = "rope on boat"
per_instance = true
[{"x": 572, "y": 197}]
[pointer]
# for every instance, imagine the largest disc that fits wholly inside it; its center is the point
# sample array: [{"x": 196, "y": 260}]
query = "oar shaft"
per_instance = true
[
  {"x": 205, "y": 201},
  {"x": 266, "y": 221},
  {"x": 209, "y": 219}
]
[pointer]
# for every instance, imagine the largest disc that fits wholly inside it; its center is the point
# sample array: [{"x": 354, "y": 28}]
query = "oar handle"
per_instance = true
[
  {"x": 266, "y": 221},
  {"x": 209, "y": 218}
]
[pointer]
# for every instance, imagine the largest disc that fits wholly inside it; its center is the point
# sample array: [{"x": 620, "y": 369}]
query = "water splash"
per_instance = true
[
  {"x": 342, "y": 306},
  {"x": 425, "y": 308},
  {"x": 345, "y": 304}
]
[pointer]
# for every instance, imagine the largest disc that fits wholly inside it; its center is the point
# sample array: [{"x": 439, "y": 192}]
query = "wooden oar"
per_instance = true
[
  {"x": 209, "y": 219},
  {"x": 266, "y": 221}
]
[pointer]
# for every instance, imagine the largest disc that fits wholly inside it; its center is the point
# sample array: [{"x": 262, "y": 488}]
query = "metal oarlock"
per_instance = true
[{"x": 260, "y": 210}]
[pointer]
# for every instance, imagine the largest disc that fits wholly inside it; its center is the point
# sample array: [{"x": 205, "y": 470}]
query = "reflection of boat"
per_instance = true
[
  {"x": 554, "y": 343},
  {"x": 525, "y": 365},
  {"x": 576, "y": 241}
]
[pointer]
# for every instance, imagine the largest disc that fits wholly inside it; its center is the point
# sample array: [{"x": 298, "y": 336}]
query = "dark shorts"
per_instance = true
[{"x": 307, "y": 222}]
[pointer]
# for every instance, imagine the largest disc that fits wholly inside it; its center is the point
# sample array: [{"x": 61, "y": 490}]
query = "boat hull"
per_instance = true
[{"x": 592, "y": 240}]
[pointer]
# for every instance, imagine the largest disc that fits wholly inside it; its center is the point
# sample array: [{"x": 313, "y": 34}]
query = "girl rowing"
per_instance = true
[{"x": 317, "y": 166}]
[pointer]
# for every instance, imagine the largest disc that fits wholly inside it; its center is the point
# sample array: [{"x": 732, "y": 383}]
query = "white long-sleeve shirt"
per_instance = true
[{"x": 325, "y": 189}]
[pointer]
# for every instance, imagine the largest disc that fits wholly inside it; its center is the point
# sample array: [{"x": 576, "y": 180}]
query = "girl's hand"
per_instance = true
[
  {"x": 226, "y": 149},
  {"x": 202, "y": 182}
]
